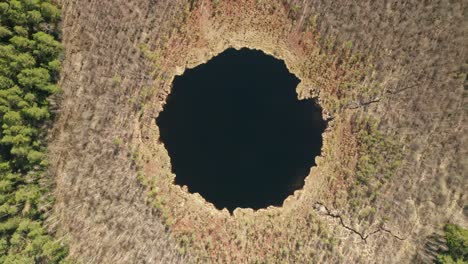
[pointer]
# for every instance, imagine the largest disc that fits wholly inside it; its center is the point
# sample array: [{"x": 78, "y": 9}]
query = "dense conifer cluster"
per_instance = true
[{"x": 29, "y": 66}]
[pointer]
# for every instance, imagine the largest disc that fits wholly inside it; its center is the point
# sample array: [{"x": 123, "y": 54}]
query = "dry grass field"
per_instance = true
[{"x": 389, "y": 75}]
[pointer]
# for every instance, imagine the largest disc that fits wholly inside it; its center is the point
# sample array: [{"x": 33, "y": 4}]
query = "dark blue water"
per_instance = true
[{"x": 236, "y": 132}]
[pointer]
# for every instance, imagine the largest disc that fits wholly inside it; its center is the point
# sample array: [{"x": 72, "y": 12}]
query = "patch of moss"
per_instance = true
[{"x": 379, "y": 156}]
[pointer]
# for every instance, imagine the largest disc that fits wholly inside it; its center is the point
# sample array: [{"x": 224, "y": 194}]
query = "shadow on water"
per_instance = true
[{"x": 236, "y": 132}]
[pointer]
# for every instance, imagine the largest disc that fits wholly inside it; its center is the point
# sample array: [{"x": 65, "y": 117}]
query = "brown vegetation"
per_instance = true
[{"x": 389, "y": 76}]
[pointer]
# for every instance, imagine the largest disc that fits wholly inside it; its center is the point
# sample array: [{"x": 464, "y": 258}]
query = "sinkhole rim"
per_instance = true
[{"x": 314, "y": 100}]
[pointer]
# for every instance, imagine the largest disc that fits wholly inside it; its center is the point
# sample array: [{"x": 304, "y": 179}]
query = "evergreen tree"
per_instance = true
[{"x": 29, "y": 67}]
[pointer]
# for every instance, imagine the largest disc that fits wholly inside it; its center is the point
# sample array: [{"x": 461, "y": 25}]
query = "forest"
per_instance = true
[{"x": 29, "y": 69}]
